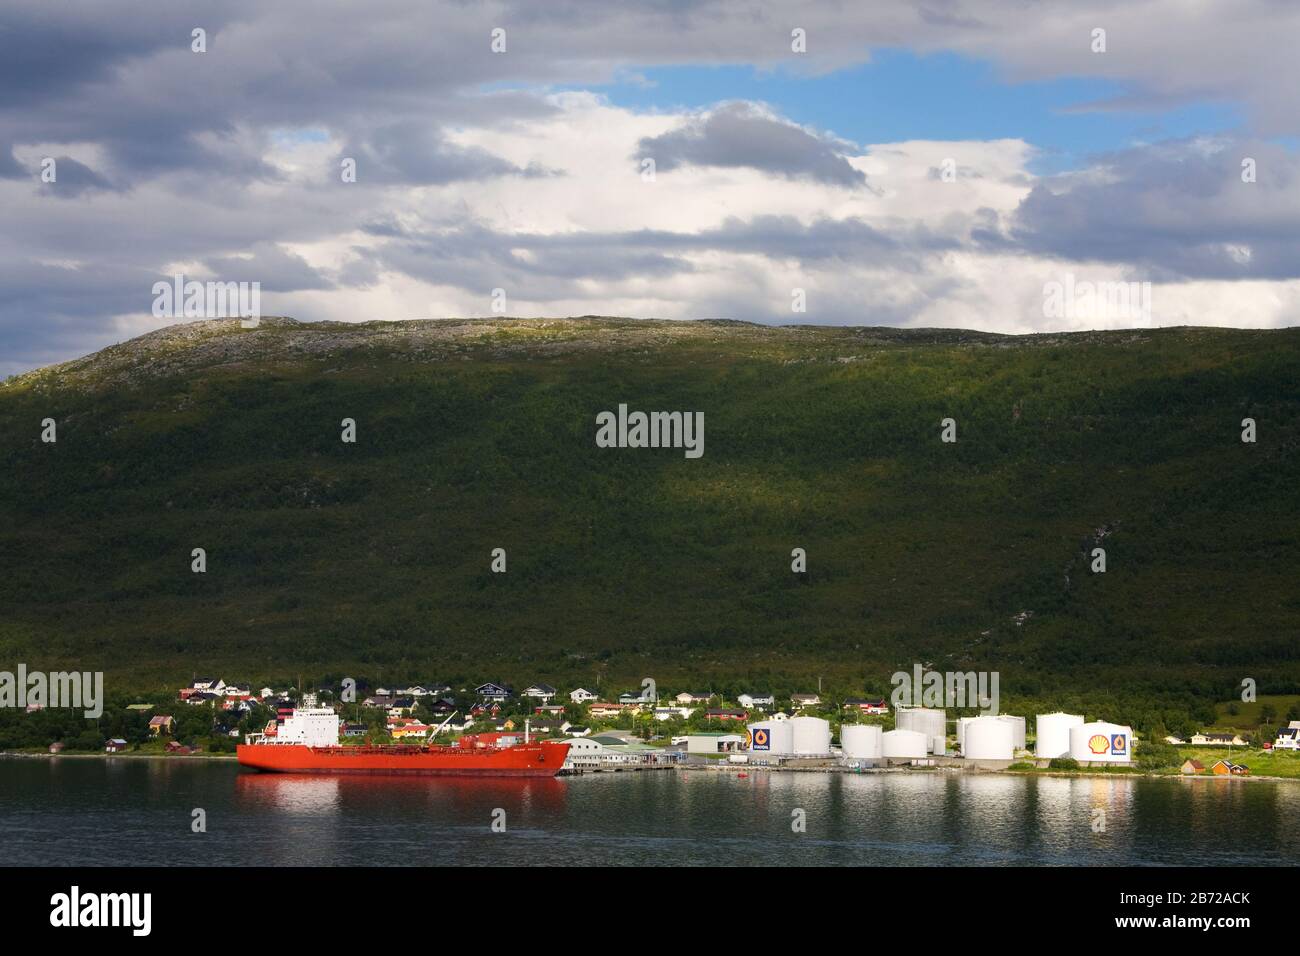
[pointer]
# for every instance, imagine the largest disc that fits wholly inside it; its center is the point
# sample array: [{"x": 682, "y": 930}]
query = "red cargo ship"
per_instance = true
[
  {"x": 305, "y": 740},
  {"x": 523, "y": 760}
]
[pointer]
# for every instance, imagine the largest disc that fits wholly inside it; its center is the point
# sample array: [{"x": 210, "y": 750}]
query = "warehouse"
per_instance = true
[{"x": 716, "y": 742}]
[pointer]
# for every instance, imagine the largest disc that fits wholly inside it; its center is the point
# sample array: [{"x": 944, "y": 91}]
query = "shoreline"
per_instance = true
[{"x": 741, "y": 768}]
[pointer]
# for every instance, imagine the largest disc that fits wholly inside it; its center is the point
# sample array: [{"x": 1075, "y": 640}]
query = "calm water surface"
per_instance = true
[{"x": 135, "y": 811}]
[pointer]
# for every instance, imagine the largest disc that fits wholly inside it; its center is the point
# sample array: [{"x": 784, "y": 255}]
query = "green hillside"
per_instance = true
[{"x": 372, "y": 558}]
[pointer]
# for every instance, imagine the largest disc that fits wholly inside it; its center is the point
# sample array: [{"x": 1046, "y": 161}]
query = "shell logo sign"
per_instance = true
[
  {"x": 1100, "y": 743},
  {"x": 759, "y": 739}
]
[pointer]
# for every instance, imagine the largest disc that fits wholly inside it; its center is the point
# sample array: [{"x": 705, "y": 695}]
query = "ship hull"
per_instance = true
[{"x": 527, "y": 760}]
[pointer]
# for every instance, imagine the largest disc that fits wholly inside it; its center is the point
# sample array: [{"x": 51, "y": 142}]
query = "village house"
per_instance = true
[
  {"x": 668, "y": 713},
  {"x": 542, "y": 692},
  {"x": 801, "y": 701},
  {"x": 724, "y": 713},
  {"x": 1224, "y": 767},
  {"x": 495, "y": 693},
  {"x": 401, "y": 707},
  {"x": 1217, "y": 740},
  {"x": 756, "y": 701},
  {"x": 865, "y": 705},
  {"x": 603, "y": 710},
  {"x": 582, "y": 696},
  {"x": 1288, "y": 737},
  {"x": 549, "y": 709},
  {"x": 408, "y": 728},
  {"x": 116, "y": 745},
  {"x": 162, "y": 724},
  {"x": 688, "y": 698},
  {"x": 635, "y": 698},
  {"x": 214, "y": 684},
  {"x": 1193, "y": 766}
]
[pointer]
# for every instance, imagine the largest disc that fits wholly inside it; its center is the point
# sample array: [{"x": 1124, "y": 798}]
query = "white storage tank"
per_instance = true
[
  {"x": 812, "y": 736},
  {"x": 932, "y": 723},
  {"x": 904, "y": 743},
  {"x": 1017, "y": 725},
  {"x": 1101, "y": 742},
  {"x": 862, "y": 741},
  {"x": 988, "y": 738},
  {"x": 775, "y": 738},
  {"x": 1053, "y": 732},
  {"x": 961, "y": 732}
]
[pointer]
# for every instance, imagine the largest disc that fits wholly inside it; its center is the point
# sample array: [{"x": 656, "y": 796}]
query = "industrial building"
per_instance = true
[
  {"x": 904, "y": 744},
  {"x": 862, "y": 743},
  {"x": 932, "y": 723},
  {"x": 714, "y": 743},
  {"x": 1053, "y": 734},
  {"x": 988, "y": 738},
  {"x": 812, "y": 736},
  {"x": 1101, "y": 742}
]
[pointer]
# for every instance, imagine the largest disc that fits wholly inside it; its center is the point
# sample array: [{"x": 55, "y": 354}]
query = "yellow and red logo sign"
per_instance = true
[{"x": 1099, "y": 743}]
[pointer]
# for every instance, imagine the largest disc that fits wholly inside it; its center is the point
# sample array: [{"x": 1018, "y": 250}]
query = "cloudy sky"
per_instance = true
[{"x": 932, "y": 163}]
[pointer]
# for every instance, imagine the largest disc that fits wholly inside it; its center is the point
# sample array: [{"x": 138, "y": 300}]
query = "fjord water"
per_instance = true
[{"x": 90, "y": 811}]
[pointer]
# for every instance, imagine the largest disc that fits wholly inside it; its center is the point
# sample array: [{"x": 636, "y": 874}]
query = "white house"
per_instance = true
[
  {"x": 1217, "y": 740},
  {"x": 582, "y": 696},
  {"x": 542, "y": 692},
  {"x": 685, "y": 698},
  {"x": 1288, "y": 738},
  {"x": 213, "y": 685},
  {"x": 800, "y": 701},
  {"x": 496, "y": 693},
  {"x": 668, "y": 713},
  {"x": 756, "y": 701}
]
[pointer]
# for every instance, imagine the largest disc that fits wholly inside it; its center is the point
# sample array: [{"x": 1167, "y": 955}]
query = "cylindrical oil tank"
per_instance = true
[
  {"x": 812, "y": 736},
  {"x": 903, "y": 743},
  {"x": 932, "y": 723},
  {"x": 961, "y": 731},
  {"x": 1017, "y": 725},
  {"x": 772, "y": 737},
  {"x": 988, "y": 738},
  {"x": 1053, "y": 732},
  {"x": 862, "y": 741},
  {"x": 1102, "y": 742}
]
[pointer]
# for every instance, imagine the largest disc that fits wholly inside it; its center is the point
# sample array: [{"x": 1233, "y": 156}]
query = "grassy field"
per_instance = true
[
  {"x": 372, "y": 559},
  {"x": 1246, "y": 717},
  {"x": 1262, "y": 763}
]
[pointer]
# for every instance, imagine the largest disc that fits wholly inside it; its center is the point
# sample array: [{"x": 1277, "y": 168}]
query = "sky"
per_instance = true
[{"x": 1002, "y": 165}]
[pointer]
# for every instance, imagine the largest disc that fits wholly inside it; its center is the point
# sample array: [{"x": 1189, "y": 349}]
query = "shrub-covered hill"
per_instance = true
[{"x": 326, "y": 558}]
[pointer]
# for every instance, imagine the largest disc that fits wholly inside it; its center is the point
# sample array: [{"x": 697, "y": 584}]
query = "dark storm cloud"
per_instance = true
[
  {"x": 274, "y": 268},
  {"x": 475, "y": 257},
  {"x": 1181, "y": 210},
  {"x": 416, "y": 154},
  {"x": 738, "y": 134},
  {"x": 72, "y": 178}
]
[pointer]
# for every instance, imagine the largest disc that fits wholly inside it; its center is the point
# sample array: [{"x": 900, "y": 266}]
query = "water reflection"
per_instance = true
[{"x": 96, "y": 811}]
